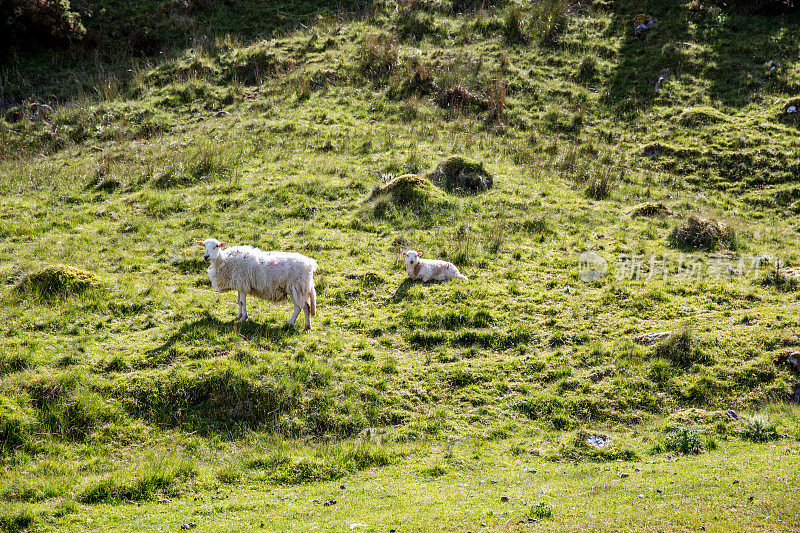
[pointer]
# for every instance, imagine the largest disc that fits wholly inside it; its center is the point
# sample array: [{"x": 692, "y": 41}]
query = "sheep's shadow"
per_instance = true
[
  {"x": 249, "y": 330},
  {"x": 402, "y": 291}
]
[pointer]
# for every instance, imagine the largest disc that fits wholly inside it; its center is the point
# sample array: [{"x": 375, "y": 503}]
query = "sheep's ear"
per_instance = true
[
  {"x": 419, "y": 254},
  {"x": 201, "y": 243},
  {"x": 223, "y": 244},
  {"x": 404, "y": 253}
]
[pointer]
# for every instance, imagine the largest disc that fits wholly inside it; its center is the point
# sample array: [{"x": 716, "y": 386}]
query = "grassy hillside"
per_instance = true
[{"x": 129, "y": 396}]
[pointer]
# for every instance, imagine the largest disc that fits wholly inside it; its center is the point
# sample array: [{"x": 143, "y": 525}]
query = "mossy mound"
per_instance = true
[
  {"x": 701, "y": 116},
  {"x": 702, "y": 233},
  {"x": 406, "y": 193},
  {"x": 650, "y": 210},
  {"x": 59, "y": 280},
  {"x": 405, "y": 190},
  {"x": 461, "y": 176}
]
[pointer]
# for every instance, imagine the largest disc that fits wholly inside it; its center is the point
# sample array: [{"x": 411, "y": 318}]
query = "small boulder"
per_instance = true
[{"x": 646, "y": 339}]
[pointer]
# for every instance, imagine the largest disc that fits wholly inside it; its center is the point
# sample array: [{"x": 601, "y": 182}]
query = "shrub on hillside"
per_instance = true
[
  {"x": 461, "y": 176},
  {"x": 684, "y": 440},
  {"x": 682, "y": 349},
  {"x": 702, "y": 233},
  {"x": 759, "y": 429},
  {"x": 38, "y": 21}
]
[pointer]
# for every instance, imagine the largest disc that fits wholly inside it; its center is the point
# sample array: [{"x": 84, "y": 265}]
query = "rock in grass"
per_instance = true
[
  {"x": 647, "y": 339},
  {"x": 702, "y": 233},
  {"x": 59, "y": 280},
  {"x": 461, "y": 176},
  {"x": 597, "y": 441}
]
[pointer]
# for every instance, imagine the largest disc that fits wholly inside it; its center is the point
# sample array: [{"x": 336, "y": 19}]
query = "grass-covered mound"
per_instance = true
[
  {"x": 407, "y": 193},
  {"x": 651, "y": 209},
  {"x": 459, "y": 175},
  {"x": 57, "y": 281}
]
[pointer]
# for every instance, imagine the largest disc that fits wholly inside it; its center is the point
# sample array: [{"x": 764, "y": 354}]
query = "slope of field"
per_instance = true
[{"x": 124, "y": 380}]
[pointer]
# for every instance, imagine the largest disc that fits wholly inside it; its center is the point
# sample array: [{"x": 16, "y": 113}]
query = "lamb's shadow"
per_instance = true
[
  {"x": 249, "y": 330},
  {"x": 402, "y": 291}
]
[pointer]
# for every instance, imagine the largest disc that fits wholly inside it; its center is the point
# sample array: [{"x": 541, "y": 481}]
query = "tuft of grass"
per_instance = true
[
  {"x": 702, "y": 233},
  {"x": 684, "y": 440},
  {"x": 515, "y": 25},
  {"x": 682, "y": 349},
  {"x": 378, "y": 56},
  {"x": 541, "y": 510},
  {"x": 151, "y": 477},
  {"x": 759, "y": 428},
  {"x": 549, "y": 19},
  {"x": 600, "y": 186},
  {"x": 16, "y": 422},
  {"x": 16, "y": 520}
]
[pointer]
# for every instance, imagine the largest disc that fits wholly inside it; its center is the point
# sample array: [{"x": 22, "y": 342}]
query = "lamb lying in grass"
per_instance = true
[
  {"x": 269, "y": 275},
  {"x": 429, "y": 269}
]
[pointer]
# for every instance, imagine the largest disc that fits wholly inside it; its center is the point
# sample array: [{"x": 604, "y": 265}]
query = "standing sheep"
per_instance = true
[
  {"x": 269, "y": 275},
  {"x": 430, "y": 269}
]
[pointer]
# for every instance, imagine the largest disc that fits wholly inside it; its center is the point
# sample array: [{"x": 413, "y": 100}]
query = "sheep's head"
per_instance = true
[
  {"x": 412, "y": 257},
  {"x": 212, "y": 248}
]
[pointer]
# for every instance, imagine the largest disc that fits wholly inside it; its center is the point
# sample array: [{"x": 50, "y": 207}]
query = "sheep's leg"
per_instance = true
[
  {"x": 307, "y": 310},
  {"x": 294, "y": 315},
  {"x": 242, "y": 307}
]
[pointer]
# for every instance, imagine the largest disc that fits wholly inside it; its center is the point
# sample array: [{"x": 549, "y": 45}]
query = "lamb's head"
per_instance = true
[
  {"x": 212, "y": 249},
  {"x": 412, "y": 257}
]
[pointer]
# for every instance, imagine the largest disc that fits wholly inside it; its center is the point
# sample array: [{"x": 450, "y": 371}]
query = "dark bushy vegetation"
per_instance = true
[
  {"x": 702, "y": 233},
  {"x": 767, "y": 7},
  {"x": 38, "y": 22},
  {"x": 461, "y": 176}
]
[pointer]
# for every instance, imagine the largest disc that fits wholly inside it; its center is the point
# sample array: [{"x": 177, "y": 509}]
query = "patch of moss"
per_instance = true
[{"x": 701, "y": 116}]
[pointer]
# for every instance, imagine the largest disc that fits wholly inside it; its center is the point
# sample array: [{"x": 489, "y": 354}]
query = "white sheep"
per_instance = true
[
  {"x": 271, "y": 276},
  {"x": 430, "y": 269}
]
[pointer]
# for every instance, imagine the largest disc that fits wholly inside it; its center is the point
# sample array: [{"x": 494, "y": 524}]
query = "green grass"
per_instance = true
[{"x": 321, "y": 129}]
